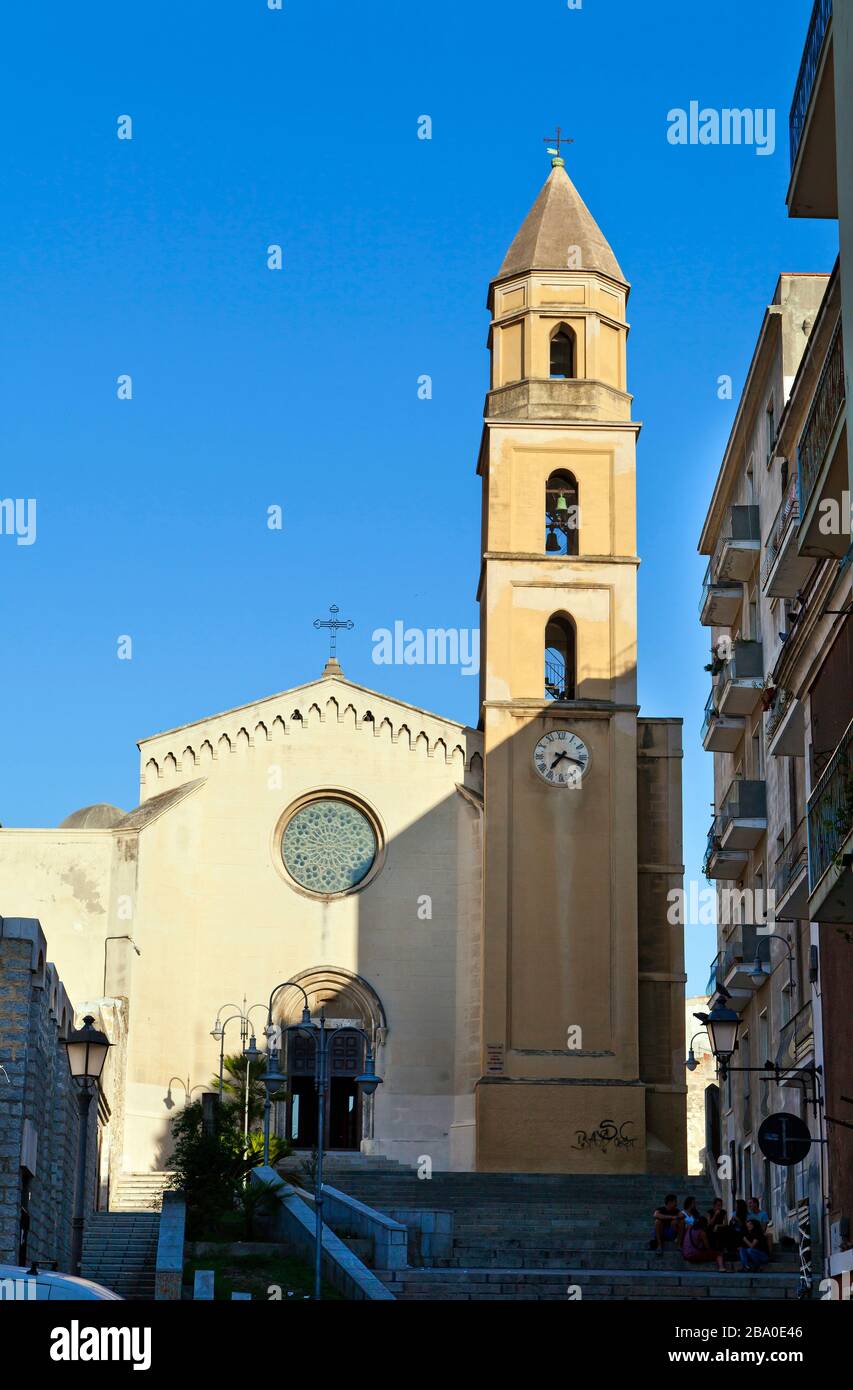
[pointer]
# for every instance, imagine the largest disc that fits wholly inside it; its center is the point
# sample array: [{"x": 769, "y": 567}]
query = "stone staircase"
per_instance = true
[
  {"x": 344, "y": 1163},
  {"x": 532, "y": 1236},
  {"x": 139, "y": 1191},
  {"x": 120, "y": 1251}
]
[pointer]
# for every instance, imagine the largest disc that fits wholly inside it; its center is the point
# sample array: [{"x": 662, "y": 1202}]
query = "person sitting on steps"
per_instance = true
[
  {"x": 696, "y": 1247},
  {"x": 717, "y": 1225},
  {"x": 757, "y": 1212},
  {"x": 754, "y": 1253},
  {"x": 669, "y": 1223},
  {"x": 735, "y": 1230}
]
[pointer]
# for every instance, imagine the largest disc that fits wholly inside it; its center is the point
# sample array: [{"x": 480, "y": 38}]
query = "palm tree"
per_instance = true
[{"x": 234, "y": 1087}]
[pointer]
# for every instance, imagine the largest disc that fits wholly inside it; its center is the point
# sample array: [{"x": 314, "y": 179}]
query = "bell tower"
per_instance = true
[{"x": 560, "y": 1088}]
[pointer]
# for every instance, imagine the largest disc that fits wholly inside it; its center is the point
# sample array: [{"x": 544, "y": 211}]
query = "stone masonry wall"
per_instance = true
[{"x": 38, "y": 1108}]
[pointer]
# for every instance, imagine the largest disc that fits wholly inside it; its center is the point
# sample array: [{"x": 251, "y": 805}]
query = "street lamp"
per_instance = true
[
  {"x": 722, "y": 1024},
  {"x": 273, "y": 1080},
  {"x": 366, "y": 1080},
  {"x": 218, "y": 1032},
  {"x": 86, "y": 1049},
  {"x": 691, "y": 1064},
  {"x": 758, "y": 973}
]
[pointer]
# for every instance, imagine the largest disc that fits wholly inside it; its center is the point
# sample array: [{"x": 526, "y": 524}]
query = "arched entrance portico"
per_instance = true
[{"x": 348, "y": 999}]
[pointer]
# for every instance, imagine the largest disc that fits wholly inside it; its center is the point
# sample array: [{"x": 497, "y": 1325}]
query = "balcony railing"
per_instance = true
[
  {"x": 719, "y": 599},
  {"x": 782, "y": 700},
  {"x": 791, "y": 861},
  {"x": 744, "y": 949},
  {"x": 715, "y": 979},
  {"x": 746, "y": 799},
  {"x": 787, "y": 516},
  {"x": 713, "y": 843},
  {"x": 736, "y": 550},
  {"x": 821, "y": 15},
  {"x": 795, "y": 1039},
  {"x": 745, "y": 663},
  {"x": 830, "y": 809},
  {"x": 821, "y": 420},
  {"x": 710, "y": 713}
]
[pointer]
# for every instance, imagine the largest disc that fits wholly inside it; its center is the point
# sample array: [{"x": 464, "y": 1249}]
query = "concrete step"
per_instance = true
[
  {"x": 120, "y": 1251},
  {"x": 554, "y": 1285},
  {"x": 561, "y": 1256},
  {"x": 368, "y": 1165},
  {"x": 139, "y": 1191}
]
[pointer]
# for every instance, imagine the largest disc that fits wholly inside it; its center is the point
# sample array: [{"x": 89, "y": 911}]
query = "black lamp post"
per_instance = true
[
  {"x": 691, "y": 1064},
  {"x": 759, "y": 974},
  {"x": 722, "y": 1024},
  {"x": 367, "y": 1081},
  {"x": 87, "y": 1050}
]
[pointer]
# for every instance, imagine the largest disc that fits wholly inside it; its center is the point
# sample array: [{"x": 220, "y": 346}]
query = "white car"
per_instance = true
[{"x": 20, "y": 1284}]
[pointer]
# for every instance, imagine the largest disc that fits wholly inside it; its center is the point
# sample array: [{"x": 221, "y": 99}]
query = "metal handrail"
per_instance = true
[
  {"x": 787, "y": 516},
  {"x": 746, "y": 797},
  {"x": 743, "y": 525},
  {"x": 821, "y": 420},
  {"x": 830, "y": 809},
  {"x": 781, "y": 703},
  {"x": 818, "y": 25},
  {"x": 793, "y": 858}
]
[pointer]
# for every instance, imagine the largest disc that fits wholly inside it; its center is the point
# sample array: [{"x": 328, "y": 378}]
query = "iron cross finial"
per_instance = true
[
  {"x": 334, "y": 623},
  {"x": 558, "y": 140}
]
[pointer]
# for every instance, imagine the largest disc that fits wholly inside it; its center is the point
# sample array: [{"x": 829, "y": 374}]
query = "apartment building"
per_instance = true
[{"x": 777, "y": 603}]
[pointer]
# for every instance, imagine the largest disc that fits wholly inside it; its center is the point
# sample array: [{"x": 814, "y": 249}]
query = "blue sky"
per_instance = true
[{"x": 253, "y": 388}]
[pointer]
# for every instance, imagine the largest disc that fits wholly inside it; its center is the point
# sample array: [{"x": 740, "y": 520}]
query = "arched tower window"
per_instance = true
[
  {"x": 562, "y": 514},
  {"x": 563, "y": 355},
  {"x": 560, "y": 658}
]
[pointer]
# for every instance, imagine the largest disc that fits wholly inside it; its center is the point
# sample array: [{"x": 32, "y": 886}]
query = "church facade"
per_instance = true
[{"x": 489, "y": 905}]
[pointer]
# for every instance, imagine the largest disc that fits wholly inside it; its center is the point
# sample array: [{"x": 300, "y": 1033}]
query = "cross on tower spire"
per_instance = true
[
  {"x": 558, "y": 140},
  {"x": 333, "y": 623}
]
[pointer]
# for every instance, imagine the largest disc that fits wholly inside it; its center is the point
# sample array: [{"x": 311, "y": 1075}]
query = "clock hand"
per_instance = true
[{"x": 570, "y": 758}]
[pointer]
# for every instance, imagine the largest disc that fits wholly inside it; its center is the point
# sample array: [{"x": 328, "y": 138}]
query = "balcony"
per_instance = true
[
  {"x": 796, "y": 1042},
  {"x": 784, "y": 726},
  {"x": 830, "y": 838},
  {"x": 737, "y": 551},
  {"x": 720, "y": 603},
  {"x": 743, "y": 815},
  {"x": 720, "y": 733},
  {"x": 822, "y": 462},
  {"x": 812, "y": 191},
  {"x": 785, "y": 570},
  {"x": 733, "y": 967},
  {"x": 740, "y": 682},
  {"x": 791, "y": 878},
  {"x": 719, "y": 863}
]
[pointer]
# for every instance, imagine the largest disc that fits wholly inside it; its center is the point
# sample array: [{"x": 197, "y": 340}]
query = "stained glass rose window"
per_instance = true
[{"x": 328, "y": 846}]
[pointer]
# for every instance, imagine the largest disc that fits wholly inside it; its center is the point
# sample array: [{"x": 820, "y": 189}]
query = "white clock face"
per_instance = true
[{"x": 561, "y": 758}]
